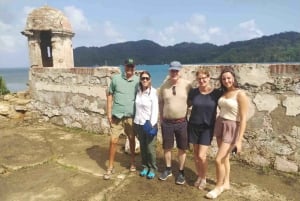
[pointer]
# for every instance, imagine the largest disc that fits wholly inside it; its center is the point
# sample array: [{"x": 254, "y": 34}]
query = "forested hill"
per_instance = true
[{"x": 283, "y": 47}]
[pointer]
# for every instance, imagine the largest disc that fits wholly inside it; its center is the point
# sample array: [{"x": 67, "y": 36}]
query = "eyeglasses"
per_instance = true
[
  {"x": 145, "y": 78},
  {"x": 174, "y": 90},
  {"x": 201, "y": 78}
]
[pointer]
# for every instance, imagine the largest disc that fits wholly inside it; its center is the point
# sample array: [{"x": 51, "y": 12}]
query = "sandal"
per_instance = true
[
  {"x": 202, "y": 184},
  {"x": 150, "y": 175},
  {"x": 197, "y": 182},
  {"x": 214, "y": 193},
  {"x": 108, "y": 173},
  {"x": 132, "y": 168},
  {"x": 144, "y": 172}
]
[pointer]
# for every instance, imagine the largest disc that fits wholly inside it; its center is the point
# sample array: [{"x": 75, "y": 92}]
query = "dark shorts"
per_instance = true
[
  {"x": 200, "y": 134},
  {"x": 227, "y": 130},
  {"x": 174, "y": 130}
]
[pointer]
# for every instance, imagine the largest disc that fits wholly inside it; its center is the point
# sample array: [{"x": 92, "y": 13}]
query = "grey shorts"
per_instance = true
[
  {"x": 177, "y": 131},
  {"x": 227, "y": 130}
]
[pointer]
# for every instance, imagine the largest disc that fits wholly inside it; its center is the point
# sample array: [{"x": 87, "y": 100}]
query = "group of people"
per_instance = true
[{"x": 132, "y": 103}]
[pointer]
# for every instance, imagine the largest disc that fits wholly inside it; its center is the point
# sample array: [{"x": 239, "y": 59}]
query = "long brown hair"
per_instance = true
[{"x": 228, "y": 69}]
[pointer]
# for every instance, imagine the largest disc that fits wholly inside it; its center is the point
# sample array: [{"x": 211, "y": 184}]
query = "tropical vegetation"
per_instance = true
[{"x": 282, "y": 47}]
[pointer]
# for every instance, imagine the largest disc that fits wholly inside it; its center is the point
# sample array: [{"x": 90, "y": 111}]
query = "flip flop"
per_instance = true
[{"x": 213, "y": 194}]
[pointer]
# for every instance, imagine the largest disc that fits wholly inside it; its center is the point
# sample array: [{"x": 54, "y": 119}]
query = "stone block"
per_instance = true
[
  {"x": 292, "y": 104},
  {"x": 266, "y": 102},
  {"x": 4, "y": 108},
  {"x": 284, "y": 165}
]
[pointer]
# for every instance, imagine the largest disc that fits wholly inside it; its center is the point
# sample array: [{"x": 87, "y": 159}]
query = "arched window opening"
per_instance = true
[{"x": 46, "y": 48}]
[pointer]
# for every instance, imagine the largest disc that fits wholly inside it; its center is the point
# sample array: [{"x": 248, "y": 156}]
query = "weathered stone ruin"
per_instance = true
[{"x": 49, "y": 35}]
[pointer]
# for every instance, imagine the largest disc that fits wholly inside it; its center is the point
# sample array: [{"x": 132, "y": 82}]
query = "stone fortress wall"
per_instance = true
[{"x": 76, "y": 97}]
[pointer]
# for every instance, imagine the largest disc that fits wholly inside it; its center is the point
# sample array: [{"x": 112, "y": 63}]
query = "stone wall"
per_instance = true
[
  {"x": 272, "y": 138},
  {"x": 76, "y": 97}
]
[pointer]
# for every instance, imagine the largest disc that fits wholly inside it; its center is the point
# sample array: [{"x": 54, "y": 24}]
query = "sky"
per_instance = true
[{"x": 99, "y": 23}]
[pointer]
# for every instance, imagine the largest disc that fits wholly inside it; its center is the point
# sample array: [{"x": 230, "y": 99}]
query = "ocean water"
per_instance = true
[
  {"x": 158, "y": 73},
  {"x": 16, "y": 79}
]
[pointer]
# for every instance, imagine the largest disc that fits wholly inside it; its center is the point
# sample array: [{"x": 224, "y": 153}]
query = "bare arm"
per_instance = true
[
  {"x": 109, "y": 107},
  {"x": 160, "y": 106},
  {"x": 243, "y": 102}
]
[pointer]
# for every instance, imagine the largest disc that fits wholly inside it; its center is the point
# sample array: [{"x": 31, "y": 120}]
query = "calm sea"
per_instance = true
[{"x": 16, "y": 79}]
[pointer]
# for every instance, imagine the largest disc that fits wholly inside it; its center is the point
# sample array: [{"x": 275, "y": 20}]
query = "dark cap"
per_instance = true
[{"x": 129, "y": 62}]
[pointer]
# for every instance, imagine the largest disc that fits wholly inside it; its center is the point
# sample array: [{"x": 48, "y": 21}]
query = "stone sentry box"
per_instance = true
[{"x": 49, "y": 36}]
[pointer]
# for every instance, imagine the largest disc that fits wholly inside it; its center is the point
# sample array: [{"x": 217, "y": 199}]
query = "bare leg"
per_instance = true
[
  {"x": 222, "y": 155},
  {"x": 203, "y": 161},
  {"x": 112, "y": 151},
  {"x": 168, "y": 157},
  {"x": 181, "y": 158},
  {"x": 196, "y": 158},
  {"x": 132, "y": 151},
  {"x": 226, "y": 183}
]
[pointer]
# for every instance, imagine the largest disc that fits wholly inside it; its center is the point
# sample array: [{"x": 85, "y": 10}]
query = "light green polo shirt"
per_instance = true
[{"x": 123, "y": 92}]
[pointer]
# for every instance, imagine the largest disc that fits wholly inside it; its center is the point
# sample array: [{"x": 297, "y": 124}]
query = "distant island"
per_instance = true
[{"x": 282, "y": 47}]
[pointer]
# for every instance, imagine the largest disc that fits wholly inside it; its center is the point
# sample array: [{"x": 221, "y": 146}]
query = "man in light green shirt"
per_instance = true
[{"x": 120, "y": 110}]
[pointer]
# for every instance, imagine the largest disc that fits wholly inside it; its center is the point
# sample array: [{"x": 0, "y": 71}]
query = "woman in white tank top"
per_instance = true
[{"x": 229, "y": 128}]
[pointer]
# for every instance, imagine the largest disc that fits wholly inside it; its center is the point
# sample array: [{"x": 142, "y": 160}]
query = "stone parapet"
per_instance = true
[
  {"x": 73, "y": 97},
  {"x": 76, "y": 97}
]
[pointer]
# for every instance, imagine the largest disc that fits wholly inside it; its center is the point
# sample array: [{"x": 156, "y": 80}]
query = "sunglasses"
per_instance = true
[
  {"x": 174, "y": 90},
  {"x": 145, "y": 78}
]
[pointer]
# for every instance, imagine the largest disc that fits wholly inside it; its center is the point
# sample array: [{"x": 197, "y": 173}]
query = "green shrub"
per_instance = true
[{"x": 3, "y": 88}]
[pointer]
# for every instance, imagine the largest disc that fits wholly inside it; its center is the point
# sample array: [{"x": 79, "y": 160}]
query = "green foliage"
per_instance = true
[
  {"x": 3, "y": 88},
  {"x": 283, "y": 47}
]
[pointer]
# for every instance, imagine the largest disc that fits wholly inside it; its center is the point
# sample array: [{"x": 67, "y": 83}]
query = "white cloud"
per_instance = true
[
  {"x": 195, "y": 29},
  {"x": 111, "y": 33},
  {"x": 214, "y": 30},
  {"x": 250, "y": 29},
  {"x": 77, "y": 19}
]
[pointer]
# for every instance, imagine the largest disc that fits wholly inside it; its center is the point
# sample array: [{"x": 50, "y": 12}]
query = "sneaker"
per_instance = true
[
  {"x": 165, "y": 174},
  {"x": 150, "y": 175},
  {"x": 180, "y": 179}
]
